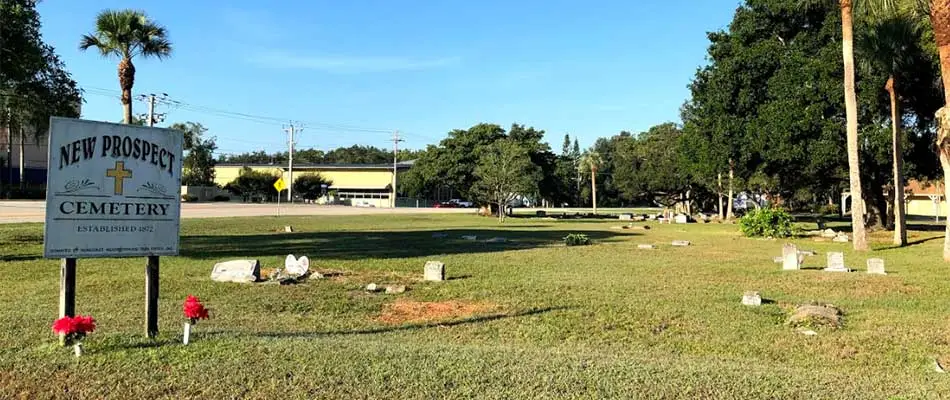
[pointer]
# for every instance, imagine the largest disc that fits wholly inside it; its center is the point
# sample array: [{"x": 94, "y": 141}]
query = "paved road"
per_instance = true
[{"x": 34, "y": 211}]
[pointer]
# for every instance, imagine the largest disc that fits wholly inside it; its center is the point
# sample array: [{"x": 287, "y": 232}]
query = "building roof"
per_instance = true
[
  {"x": 923, "y": 188},
  {"x": 386, "y": 167}
]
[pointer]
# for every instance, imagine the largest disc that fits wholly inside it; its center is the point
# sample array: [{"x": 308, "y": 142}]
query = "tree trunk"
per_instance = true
[
  {"x": 851, "y": 107},
  {"x": 22, "y": 150},
  {"x": 593, "y": 188},
  {"x": 940, "y": 20},
  {"x": 721, "y": 211},
  {"x": 126, "y": 81},
  {"x": 729, "y": 214},
  {"x": 900, "y": 225},
  {"x": 943, "y": 148}
]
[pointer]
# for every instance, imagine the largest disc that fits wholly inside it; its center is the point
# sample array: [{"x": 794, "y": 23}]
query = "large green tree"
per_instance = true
[
  {"x": 126, "y": 34},
  {"x": 771, "y": 100},
  {"x": 504, "y": 172},
  {"x": 199, "y": 162},
  {"x": 34, "y": 83},
  {"x": 648, "y": 168}
]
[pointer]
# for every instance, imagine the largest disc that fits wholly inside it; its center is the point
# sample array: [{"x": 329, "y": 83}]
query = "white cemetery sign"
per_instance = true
[{"x": 112, "y": 190}]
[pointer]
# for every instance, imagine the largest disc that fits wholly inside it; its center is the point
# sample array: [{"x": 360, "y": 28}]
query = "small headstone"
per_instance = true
[
  {"x": 681, "y": 219},
  {"x": 295, "y": 267},
  {"x": 440, "y": 235},
  {"x": 395, "y": 289},
  {"x": 836, "y": 262},
  {"x": 243, "y": 271},
  {"x": 790, "y": 259},
  {"x": 829, "y": 233},
  {"x": 372, "y": 287},
  {"x": 626, "y": 217},
  {"x": 841, "y": 238},
  {"x": 751, "y": 299},
  {"x": 469, "y": 237},
  {"x": 289, "y": 229},
  {"x": 680, "y": 243},
  {"x": 876, "y": 266},
  {"x": 639, "y": 218},
  {"x": 646, "y": 247},
  {"x": 434, "y": 271},
  {"x": 651, "y": 217}
]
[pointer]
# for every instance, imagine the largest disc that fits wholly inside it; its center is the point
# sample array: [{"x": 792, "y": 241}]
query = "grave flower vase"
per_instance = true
[{"x": 187, "y": 333}]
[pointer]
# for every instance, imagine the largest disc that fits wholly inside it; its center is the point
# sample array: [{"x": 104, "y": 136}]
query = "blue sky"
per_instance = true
[{"x": 354, "y": 70}]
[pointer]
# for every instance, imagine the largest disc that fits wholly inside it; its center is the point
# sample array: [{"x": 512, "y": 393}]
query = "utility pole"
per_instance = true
[
  {"x": 151, "y": 110},
  {"x": 291, "y": 130},
  {"x": 396, "y": 141}
]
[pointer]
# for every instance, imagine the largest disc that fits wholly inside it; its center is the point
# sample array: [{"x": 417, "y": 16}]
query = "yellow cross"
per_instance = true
[{"x": 119, "y": 173}]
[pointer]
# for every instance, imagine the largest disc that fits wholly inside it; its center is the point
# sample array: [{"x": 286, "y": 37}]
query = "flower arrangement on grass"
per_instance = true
[
  {"x": 194, "y": 311},
  {"x": 74, "y": 330}
]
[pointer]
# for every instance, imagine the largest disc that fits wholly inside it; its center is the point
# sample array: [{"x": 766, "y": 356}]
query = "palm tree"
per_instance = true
[
  {"x": 886, "y": 45},
  {"x": 939, "y": 13},
  {"x": 851, "y": 110},
  {"x": 591, "y": 160},
  {"x": 127, "y": 34}
]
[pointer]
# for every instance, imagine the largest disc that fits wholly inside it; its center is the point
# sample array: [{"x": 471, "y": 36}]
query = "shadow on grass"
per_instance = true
[
  {"x": 911, "y": 243},
  {"x": 375, "y": 244},
  {"x": 409, "y": 327}
]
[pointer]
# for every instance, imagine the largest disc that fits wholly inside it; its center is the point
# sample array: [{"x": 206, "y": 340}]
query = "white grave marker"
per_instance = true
[
  {"x": 836, "y": 262},
  {"x": 876, "y": 266}
]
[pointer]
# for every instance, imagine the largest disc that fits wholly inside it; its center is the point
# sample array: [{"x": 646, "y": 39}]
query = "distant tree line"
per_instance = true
[{"x": 355, "y": 154}]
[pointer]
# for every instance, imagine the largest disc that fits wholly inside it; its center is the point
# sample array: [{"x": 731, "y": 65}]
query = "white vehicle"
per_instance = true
[{"x": 463, "y": 204}]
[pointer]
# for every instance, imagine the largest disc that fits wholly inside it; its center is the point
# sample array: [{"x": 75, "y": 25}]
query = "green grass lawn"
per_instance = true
[{"x": 533, "y": 318}]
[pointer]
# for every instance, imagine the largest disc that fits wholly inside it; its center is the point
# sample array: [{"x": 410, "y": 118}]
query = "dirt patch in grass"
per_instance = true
[
  {"x": 405, "y": 311},
  {"x": 815, "y": 315}
]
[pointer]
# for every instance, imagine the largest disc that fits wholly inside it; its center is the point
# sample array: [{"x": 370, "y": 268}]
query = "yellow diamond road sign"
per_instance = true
[{"x": 279, "y": 185}]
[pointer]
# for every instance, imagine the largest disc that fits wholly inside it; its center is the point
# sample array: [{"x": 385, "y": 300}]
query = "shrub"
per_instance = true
[
  {"x": 576, "y": 239},
  {"x": 766, "y": 222}
]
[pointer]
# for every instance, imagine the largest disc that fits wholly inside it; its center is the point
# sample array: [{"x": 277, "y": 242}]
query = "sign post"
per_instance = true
[
  {"x": 280, "y": 186},
  {"x": 112, "y": 190}
]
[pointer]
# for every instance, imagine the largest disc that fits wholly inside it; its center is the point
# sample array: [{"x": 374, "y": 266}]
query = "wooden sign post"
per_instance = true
[{"x": 112, "y": 190}]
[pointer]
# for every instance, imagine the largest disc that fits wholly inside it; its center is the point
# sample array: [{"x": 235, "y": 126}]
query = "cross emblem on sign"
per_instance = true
[{"x": 119, "y": 173}]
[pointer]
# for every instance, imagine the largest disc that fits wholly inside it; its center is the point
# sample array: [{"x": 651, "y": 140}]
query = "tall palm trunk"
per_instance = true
[
  {"x": 126, "y": 81},
  {"x": 721, "y": 211},
  {"x": 851, "y": 107},
  {"x": 22, "y": 150},
  {"x": 732, "y": 167},
  {"x": 940, "y": 19},
  {"x": 593, "y": 188},
  {"x": 900, "y": 224}
]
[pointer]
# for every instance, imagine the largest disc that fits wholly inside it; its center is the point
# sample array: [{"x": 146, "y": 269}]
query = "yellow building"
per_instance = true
[
  {"x": 925, "y": 199},
  {"x": 354, "y": 184}
]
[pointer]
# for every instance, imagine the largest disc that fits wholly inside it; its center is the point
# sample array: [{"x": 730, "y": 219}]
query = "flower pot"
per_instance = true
[
  {"x": 77, "y": 349},
  {"x": 187, "y": 334}
]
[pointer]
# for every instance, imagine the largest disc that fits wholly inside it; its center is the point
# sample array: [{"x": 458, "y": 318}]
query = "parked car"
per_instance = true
[
  {"x": 445, "y": 204},
  {"x": 463, "y": 204}
]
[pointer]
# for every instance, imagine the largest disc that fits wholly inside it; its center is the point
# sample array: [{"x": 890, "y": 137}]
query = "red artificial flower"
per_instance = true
[
  {"x": 194, "y": 310},
  {"x": 78, "y": 325},
  {"x": 64, "y": 326},
  {"x": 85, "y": 324}
]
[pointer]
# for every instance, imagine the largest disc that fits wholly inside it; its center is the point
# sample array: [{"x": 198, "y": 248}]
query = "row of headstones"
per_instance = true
[
  {"x": 792, "y": 259},
  {"x": 675, "y": 243},
  {"x": 678, "y": 218}
]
